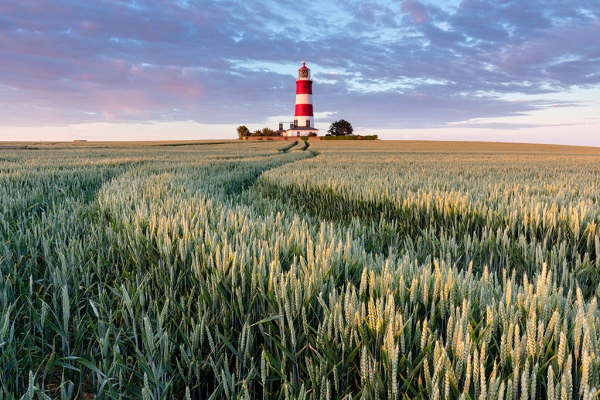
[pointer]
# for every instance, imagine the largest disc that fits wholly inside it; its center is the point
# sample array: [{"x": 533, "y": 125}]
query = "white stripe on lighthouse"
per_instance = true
[
  {"x": 304, "y": 99},
  {"x": 302, "y": 120}
]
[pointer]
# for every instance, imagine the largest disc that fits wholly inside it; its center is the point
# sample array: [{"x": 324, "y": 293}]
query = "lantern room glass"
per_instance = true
[{"x": 304, "y": 73}]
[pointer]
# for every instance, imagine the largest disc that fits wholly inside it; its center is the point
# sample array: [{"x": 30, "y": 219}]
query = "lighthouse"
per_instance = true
[{"x": 304, "y": 120}]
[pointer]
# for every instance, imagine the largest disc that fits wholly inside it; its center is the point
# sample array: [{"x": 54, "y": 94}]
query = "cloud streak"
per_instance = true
[{"x": 404, "y": 64}]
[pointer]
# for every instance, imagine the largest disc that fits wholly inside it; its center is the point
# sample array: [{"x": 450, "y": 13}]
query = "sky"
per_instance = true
[{"x": 489, "y": 70}]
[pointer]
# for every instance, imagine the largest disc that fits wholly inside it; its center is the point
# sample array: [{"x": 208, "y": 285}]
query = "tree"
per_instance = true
[
  {"x": 268, "y": 132},
  {"x": 341, "y": 128},
  {"x": 243, "y": 131}
]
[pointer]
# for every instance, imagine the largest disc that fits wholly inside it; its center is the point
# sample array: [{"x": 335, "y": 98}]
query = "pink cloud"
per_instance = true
[
  {"x": 415, "y": 9},
  {"x": 419, "y": 96},
  {"x": 90, "y": 26}
]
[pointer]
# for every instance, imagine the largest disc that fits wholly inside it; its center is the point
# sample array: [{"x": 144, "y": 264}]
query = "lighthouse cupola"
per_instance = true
[{"x": 304, "y": 72}]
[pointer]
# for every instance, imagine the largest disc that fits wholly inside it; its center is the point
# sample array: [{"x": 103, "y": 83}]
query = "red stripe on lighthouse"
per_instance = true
[
  {"x": 304, "y": 110},
  {"x": 303, "y": 87}
]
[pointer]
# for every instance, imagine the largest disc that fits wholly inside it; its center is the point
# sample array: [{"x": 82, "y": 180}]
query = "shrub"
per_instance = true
[{"x": 370, "y": 137}]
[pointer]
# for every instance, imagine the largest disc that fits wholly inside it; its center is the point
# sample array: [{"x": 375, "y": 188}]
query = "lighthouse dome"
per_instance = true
[{"x": 304, "y": 72}]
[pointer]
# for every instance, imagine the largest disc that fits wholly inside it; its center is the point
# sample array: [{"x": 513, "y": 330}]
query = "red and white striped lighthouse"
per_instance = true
[
  {"x": 304, "y": 120},
  {"x": 304, "y": 105}
]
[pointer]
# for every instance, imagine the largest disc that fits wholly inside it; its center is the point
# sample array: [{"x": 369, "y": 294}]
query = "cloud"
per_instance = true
[
  {"x": 405, "y": 64},
  {"x": 415, "y": 9}
]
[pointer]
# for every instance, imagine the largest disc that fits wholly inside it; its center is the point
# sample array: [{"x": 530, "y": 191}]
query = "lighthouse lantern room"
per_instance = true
[{"x": 304, "y": 120}]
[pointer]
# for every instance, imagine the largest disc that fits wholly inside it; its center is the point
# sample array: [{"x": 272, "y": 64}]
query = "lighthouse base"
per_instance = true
[{"x": 298, "y": 131}]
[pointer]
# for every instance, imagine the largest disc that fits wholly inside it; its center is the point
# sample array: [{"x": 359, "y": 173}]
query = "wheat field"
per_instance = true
[{"x": 324, "y": 270}]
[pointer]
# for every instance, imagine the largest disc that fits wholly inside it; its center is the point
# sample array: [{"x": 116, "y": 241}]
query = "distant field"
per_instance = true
[
  {"x": 386, "y": 145},
  {"x": 115, "y": 145},
  {"x": 248, "y": 269}
]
